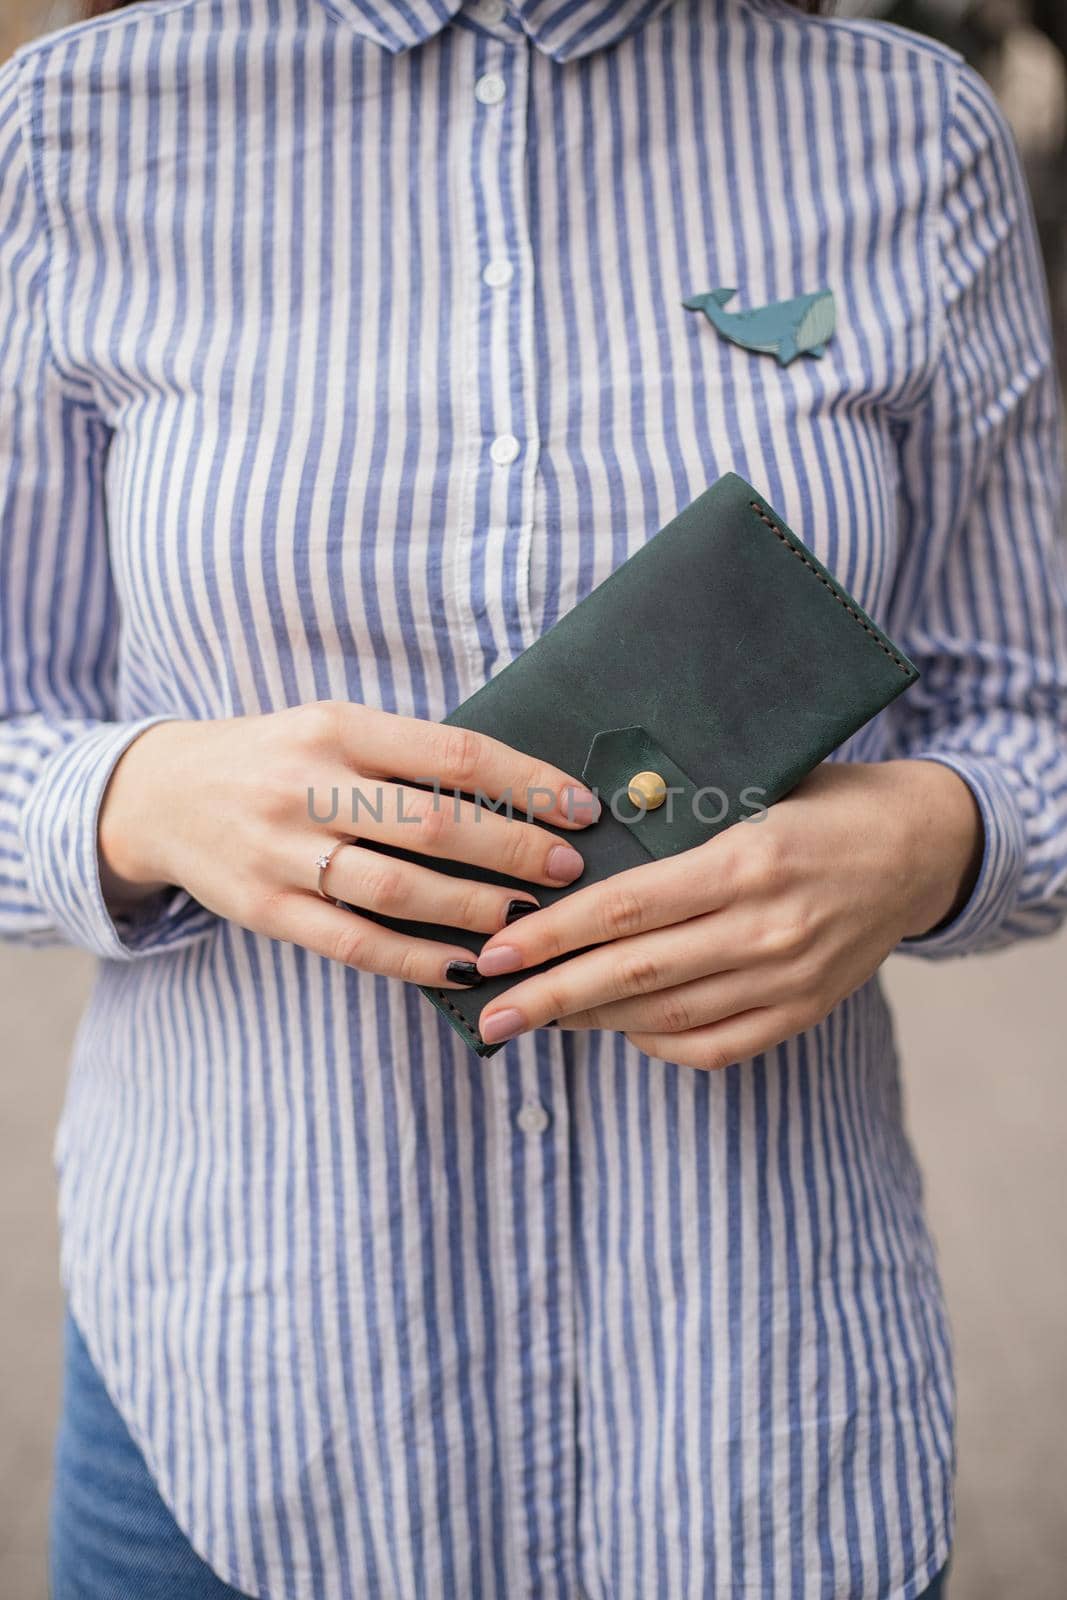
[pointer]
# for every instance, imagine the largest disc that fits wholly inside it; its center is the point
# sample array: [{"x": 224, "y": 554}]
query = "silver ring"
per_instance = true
[{"x": 323, "y": 860}]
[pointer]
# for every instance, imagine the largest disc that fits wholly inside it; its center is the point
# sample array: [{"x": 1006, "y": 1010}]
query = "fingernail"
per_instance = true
[
  {"x": 502, "y": 958},
  {"x": 579, "y": 805},
  {"x": 464, "y": 972},
  {"x": 517, "y": 909},
  {"x": 503, "y": 1025},
  {"x": 563, "y": 864}
]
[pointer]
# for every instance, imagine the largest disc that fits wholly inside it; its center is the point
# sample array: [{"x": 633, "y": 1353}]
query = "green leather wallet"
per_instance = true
[{"x": 722, "y": 656}]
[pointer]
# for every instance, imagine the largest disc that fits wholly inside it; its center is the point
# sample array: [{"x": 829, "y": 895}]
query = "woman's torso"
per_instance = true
[{"x": 375, "y": 1335}]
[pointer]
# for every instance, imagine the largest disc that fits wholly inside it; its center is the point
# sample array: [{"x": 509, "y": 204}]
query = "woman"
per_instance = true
[{"x": 343, "y": 350}]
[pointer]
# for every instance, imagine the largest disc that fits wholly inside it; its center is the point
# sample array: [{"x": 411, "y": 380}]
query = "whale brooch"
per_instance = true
[{"x": 787, "y": 329}]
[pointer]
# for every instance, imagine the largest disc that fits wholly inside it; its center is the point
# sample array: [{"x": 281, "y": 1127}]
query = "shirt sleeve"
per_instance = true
[
  {"x": 59, "y": 737},
  {"x": 980, "y": 602}
]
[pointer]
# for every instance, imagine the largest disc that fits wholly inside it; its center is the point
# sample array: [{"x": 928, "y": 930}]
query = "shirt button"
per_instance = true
[
  {"x": 498, "y": 273},
  {"x": 533, "y": 1118},
  {"x": 504, "y": 449},
  {"x": 491, "y": 89},
  {"x": 488, "y": 11}
]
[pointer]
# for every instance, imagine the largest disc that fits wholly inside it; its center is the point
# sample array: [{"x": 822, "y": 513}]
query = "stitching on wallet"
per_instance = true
[
  {"x": 838, "y": 596},
  {"x": 475, "y": 1038}
]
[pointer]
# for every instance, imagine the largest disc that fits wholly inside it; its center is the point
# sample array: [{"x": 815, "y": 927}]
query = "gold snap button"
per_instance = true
[{"x": 646, "y": 790}]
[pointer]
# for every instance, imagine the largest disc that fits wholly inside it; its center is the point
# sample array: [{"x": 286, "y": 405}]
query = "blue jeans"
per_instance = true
[{"x": 112, "y": 1537}]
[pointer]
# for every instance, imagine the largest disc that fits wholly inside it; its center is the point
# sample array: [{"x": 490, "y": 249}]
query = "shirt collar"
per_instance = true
[{"x": 563, "y": 29}]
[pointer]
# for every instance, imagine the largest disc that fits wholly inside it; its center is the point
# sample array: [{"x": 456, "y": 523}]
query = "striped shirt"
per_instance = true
[{"x": 385, "y": 1319}]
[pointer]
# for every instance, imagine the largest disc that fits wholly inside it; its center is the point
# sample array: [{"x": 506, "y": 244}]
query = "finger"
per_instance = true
[
  {"x": 452, "y": 829},
  {"x": 375, "y": 882},
  {"x": 612, "y": 972},
  {"x": 684, "y": 1006},
  {"x": 459, "y": 760},
  {"x": 723, "y": 1044},
  {"x": 354, "y": 941},
  {"x": 654, "y": 895}
]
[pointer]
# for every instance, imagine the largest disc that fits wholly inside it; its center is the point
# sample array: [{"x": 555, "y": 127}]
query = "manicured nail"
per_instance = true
[
  {"x": 517, "y": 909},
  {"x": 579, "y": 805},
  {"x": 464, "y": 972},
  {"x": 502, "y": 958},
  {"x": 503, "y": 1025},
  {"x": 563, "y": 864}
]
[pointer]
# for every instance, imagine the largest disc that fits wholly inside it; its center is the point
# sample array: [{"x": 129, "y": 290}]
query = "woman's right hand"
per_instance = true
[{"x": 227, "y": 810}]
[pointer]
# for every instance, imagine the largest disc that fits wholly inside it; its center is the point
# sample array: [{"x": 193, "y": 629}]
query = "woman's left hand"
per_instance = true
[{"x": 713, "y": 955}]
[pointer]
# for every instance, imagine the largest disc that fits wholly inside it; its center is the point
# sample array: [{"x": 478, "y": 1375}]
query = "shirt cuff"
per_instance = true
[
  {"x": 976, "y": 926},
  {"x": 59, "y": 842}
]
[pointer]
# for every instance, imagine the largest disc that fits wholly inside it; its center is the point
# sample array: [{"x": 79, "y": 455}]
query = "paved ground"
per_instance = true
[{"x": 984, "y": 1043}]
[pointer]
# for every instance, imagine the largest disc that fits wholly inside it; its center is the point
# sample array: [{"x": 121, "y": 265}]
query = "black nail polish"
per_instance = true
[
  {"x": 517, "y": 909},
  {"x": 464, "y": 972}
]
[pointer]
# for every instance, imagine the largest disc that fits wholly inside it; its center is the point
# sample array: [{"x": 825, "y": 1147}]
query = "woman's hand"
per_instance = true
[
  {"x": 726, "y": 950},
  {"x": 229, "y": 811}
]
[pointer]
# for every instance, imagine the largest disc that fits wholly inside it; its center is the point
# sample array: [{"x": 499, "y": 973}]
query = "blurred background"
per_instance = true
[{"x": 984, "y": 1044}]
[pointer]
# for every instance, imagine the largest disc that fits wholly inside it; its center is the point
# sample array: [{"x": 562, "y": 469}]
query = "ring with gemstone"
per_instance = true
[{"x": 322, "y": 861}]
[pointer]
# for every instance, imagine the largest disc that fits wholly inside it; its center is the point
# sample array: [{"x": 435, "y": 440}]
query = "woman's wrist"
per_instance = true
[
  {"x": 130, "y": 838},
  {"x": 943, "y": 841}
]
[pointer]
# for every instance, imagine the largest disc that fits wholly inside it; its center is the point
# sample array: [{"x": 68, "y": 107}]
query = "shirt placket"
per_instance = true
[
  {"x": 527, "y": 1090},
  {"x": 501, "y": 445}
]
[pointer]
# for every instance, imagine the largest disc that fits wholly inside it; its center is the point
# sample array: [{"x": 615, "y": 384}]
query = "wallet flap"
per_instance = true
[{"x": 663, "y": 827}]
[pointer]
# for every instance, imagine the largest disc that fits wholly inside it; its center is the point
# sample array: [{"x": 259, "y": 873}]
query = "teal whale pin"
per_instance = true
[{"x": 787, "y": 329}]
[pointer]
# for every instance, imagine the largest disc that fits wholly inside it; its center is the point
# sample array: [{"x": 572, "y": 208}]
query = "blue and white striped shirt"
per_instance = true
[{"x": 274, "y": 274}]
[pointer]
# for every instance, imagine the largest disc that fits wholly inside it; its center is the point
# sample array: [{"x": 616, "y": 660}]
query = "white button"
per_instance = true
[
  {"x": 504, "y": 449},
  {"x": 491, "y": 89},
  {"x": 498, "y": 273},
  {"x": 533, "y": 1118},
  {"x": 489, "y": 11}
]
